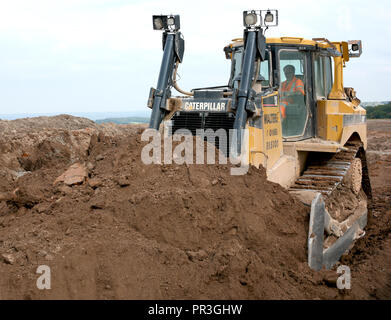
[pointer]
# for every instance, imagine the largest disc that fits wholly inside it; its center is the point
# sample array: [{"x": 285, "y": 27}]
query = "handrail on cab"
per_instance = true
[{"x": 289, "y": 39}]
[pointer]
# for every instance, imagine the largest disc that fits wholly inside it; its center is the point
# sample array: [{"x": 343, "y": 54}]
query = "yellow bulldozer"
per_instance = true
[{"x": 303, "y": 126}]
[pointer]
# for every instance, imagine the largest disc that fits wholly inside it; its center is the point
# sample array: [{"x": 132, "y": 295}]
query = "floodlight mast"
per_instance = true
[
  {"x": 254, "y": 50},
  {"x": 173, "y": 50}
]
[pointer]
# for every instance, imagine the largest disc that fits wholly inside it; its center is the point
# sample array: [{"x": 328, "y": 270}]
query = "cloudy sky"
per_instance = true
[{"x": 101, "y": 55}]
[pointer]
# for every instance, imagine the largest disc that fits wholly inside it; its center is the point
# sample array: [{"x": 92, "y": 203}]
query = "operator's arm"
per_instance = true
[{"x": 299, "y": 88}]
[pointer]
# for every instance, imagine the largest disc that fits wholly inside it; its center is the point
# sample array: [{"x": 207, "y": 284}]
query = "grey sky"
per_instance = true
[{"x": 100, "y": 55}]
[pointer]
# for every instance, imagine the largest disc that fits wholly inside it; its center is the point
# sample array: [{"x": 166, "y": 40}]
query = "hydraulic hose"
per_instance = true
[
  {"x": 187, "y": 93},
  {"x": 175, "y": 84}
]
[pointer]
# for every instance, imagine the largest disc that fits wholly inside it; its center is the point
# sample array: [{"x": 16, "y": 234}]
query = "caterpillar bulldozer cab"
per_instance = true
[{"x": 303, "y": 126}]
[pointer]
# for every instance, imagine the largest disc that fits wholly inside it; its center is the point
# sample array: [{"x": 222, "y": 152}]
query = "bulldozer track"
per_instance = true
[{"x": 324, "y": 176}]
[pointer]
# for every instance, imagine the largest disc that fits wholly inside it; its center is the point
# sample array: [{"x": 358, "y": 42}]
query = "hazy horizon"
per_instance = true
[{"x": 90, "y": 115}]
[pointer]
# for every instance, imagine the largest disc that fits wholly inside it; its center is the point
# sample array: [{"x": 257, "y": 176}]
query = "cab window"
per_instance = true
[
  {"x": 323, "y": 76},
  {"x": 264, "y": 73},
  {"x": 294, "y": 112},
  {"x": 319, "y": 77},
  {"x": 328, "y": 72}
]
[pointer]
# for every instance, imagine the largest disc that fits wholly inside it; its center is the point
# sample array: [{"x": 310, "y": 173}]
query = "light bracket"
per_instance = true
[
  {"x": 167, "y": 23},
  {"x": 257, "y": 19},
  {"x": 355, "y": 48}
]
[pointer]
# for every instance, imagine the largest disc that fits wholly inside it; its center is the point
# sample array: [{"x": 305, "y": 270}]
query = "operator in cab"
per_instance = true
[{"x": 290, "y": 88}]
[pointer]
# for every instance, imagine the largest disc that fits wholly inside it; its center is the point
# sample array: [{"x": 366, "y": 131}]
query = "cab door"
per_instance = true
[{"x": 295, "y": 91}]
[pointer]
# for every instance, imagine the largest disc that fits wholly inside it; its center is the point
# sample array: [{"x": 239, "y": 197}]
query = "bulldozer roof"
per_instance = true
[{"x": 288, "y": 40}]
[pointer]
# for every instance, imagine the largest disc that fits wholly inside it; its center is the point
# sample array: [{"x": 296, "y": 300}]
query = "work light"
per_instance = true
[
  {"x": 169, "y": 23},
  {"x": 355, "y": 48},
  {"x": 269, "y": 17},
  {"x": 250, "y": 19},
  {"x": 157, "y": 23}
]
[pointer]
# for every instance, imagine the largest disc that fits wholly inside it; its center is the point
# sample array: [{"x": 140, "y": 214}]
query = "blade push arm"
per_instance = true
[
  {"x": 173, "y": 50},
  {"x": 256, "y": 22},
  {"x": 254, "y": 50}
]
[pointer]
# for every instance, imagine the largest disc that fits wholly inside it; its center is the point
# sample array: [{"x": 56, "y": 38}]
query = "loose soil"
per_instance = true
[{"x": 127, "y": 230}]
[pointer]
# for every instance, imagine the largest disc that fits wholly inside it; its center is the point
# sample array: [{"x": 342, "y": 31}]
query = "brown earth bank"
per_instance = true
[{"x": 75, "y": 196}]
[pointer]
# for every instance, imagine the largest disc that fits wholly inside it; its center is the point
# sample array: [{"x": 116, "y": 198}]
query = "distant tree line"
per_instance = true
[{"x": 379, "y": 112}]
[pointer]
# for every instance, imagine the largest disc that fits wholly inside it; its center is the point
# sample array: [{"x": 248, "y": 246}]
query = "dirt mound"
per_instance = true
[
  {"x": 121, "y": 229},
  {"x": 30, "y": 144},
  {"x": 144, "y": 231},
  {"x": 63, "y": 121}
]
